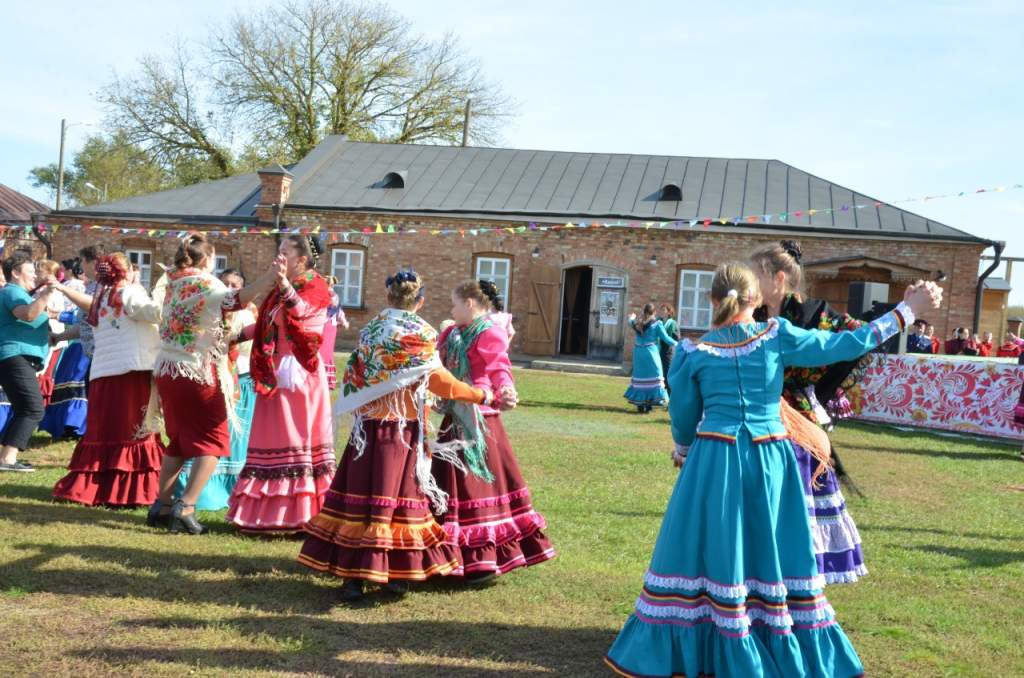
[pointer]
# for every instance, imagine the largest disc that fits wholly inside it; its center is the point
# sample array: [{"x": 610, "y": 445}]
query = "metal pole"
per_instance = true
[
  {"x": 60, "y": 162},
  {"x": 465, "y": 122}
]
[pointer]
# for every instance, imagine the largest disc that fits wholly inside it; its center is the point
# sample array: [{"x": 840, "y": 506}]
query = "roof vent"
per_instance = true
[
  {"x": 395, "y": 179},
  {"x": 671, "y": 191}
]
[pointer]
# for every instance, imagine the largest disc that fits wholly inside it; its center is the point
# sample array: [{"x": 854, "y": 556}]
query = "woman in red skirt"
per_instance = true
[
  {"x": 489, "y": 518},
  {"x": 117, "y": 462},
  {"x": 192, "y": 375},
  {"x": 376, "y": 524}
]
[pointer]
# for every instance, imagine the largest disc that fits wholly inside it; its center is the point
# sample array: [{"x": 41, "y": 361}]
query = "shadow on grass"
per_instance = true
[
  {"x": 976, "y": 557},
  {"x": 267, "y": 583},
  {"x": 541, "y": 404},
  {"x": 381, "y": 649},
  {"x": 1009, "y": 455},
  {"x": 867, "y": 527},
  {"x": 26, "y": 491}
]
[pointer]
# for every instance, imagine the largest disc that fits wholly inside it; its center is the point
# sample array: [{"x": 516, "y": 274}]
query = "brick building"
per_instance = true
[{"x": 505, "y": 211}]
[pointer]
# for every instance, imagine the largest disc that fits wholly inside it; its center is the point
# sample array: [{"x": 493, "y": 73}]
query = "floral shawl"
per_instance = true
[
  {"x": 305, "y": 344},
  {"x": 469, "y": 423},
  {"x": 193, "y": 330},
  {"x": 397, "y": 350}
]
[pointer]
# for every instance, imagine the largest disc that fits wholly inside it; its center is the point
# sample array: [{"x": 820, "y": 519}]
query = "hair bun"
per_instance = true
[{"x": 792, "y": 249}]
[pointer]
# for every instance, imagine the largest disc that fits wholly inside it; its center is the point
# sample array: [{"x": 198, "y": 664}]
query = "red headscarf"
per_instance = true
[{"x": 110, "y": 275}]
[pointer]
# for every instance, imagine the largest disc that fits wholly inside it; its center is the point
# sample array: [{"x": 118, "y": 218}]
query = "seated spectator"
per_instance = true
[
  {"x": 961, "y": 343},
  {"x": 917, "y": 342},
  {"x": 936, "y": 342},
  {"x": 985, "y": 345}
]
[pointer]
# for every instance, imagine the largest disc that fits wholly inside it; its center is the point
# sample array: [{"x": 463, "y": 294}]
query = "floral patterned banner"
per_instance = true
[{"x": 966, "y": 396}]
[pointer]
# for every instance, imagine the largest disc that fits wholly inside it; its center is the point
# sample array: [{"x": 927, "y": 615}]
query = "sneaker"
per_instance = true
[{"x": 17, "y": 467}]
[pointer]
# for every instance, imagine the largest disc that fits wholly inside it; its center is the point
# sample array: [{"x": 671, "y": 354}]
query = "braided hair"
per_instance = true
[
  {"x": 490, "y": 290},
  {"x": 307, "y": 246}
]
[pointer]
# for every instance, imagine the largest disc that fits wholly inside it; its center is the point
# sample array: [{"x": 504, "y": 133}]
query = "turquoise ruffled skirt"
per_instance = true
[
  {"x": 215, "y": 495},
  {"x": 733, "y": 589}
]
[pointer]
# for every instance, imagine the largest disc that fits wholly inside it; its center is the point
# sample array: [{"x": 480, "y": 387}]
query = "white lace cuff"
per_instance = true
[{"x": 680, "y": 452}]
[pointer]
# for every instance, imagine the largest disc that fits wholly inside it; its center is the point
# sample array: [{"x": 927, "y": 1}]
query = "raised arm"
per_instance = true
[
  {"x": 79, "y": 299},
  {"x": 139, "y": 306},
  {"x": 32, "y": 311}
]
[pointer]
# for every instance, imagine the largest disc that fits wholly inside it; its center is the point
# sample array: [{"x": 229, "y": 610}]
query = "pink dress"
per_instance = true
[
  {"x": 494, "y": 525},
  {"x": 290, "y": 462}
]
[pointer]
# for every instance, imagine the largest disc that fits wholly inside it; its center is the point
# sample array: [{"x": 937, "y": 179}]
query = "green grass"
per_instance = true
[{"x": 89, "y": 592}]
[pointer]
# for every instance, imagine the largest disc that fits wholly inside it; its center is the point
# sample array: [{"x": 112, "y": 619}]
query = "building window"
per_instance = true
[
  {"x": 694, "y": 302},
  {"x": 144, "y": 260},
  {"x": 347, "y": 265},
  {"x": 220, "y": 264},
  {"x": 499, "y": 271}
]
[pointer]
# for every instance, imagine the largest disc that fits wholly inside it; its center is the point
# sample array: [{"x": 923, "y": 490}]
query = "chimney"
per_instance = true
[{"x": 275, "y": 184}]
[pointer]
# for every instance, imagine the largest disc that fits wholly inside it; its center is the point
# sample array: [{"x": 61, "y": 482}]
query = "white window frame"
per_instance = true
[
  {"x": 137, "y": 257},
  {"x": 503, "y": 283},
  {"x": 701, "y": 300},
  {"x": 349, "y": 294},
  {"x": 217, "y": 268}
]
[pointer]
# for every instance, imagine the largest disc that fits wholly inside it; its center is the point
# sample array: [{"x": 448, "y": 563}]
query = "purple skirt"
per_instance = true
[{"x": 837, "y": 544}]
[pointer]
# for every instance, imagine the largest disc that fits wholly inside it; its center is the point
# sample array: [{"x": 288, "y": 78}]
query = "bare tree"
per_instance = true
[{"x": 162, "y": 109}]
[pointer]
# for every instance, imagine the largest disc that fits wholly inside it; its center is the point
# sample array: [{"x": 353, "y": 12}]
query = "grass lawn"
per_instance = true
[{"x": 89, "y": 592}]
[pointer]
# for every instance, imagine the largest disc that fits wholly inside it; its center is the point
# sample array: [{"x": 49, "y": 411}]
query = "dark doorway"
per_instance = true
[{"x": 576, "y": 310}]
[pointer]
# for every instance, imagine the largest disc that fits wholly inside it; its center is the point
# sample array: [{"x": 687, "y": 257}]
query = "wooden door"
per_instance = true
[
  {"x": 607, "y": 314},
  {"x": 542, "y": 317}
]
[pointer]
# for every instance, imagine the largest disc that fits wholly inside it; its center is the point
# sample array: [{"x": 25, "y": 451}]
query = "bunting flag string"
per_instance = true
[{"x": 381, "y": 229}]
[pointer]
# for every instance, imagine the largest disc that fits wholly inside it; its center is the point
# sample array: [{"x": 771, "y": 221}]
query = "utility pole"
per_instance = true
[
  {"x": 60, "y": 161},
  {"x": 465, "y": 123}
]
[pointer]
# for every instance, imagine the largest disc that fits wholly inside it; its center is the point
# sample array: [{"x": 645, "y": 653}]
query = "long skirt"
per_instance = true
[
  {"x": 195, "y": 417},
  {"x": 493, "y": 525},
  {"x": 5, "y": 411},
  {"x": 647, "y": 385},
  {"x": 376, "y": 525},
  {"x": 733, "y": 588},
  {"x": 327, "y": 353},
  {"x": 290, "y": 462},
  {"x": 215, "y": 495},
  {"x": 67, "y": 411},
  {"x": 837, "y": 544},
  {"x": 111, "y": 465}
]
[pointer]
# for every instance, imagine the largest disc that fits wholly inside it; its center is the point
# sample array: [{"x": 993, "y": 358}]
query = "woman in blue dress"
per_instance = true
[
  {"x": 647, "y": 385},
  {"x": 733, "y": 589}
]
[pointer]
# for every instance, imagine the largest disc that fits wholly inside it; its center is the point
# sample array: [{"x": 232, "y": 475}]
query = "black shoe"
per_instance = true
[
  {"x": 185, "y": 523},
  {"x": 156, "y": 519},
  {"x": 352, "y": 590},
  {"x": 18, "y": 467},
  {"x": 396, "y": 588},
  {"x": 481, "y": 578}
]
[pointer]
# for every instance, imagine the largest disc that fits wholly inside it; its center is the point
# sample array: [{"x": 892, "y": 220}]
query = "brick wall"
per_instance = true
[{"x": 445, "y": 261}]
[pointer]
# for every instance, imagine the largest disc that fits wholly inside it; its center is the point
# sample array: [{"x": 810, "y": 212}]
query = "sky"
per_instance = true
[{"x": 893, "y": 99}]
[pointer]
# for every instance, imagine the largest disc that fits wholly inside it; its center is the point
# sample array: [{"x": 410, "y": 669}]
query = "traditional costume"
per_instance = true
[
  {"x": 68, "y": 406},
  {"x": 192, "y": 373},
  {"x": 817, "y": 394},
  {"x": 217, "y": 491},
  {"x": 376, "y": 524},
  {"x": 733, "y": 589},
  {"x": 290, "y": 461},
  {"x": 489, "y": 517},
  {"x": 117, "y": 462},
  {"x": 647, "y": 385}
]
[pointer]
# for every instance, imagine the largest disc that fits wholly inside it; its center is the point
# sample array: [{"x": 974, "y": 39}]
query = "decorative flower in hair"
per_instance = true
[
  {"x": 110, "y": 271},
  {"x": 402, "y": 277}
]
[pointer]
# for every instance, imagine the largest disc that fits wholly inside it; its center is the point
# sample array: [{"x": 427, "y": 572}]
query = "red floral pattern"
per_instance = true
[{"x": 955, "y": 395}]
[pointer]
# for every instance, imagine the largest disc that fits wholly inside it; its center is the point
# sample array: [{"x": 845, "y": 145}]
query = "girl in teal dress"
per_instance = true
[
  {"x": 733, "y": 588},
  {"x": 647, "y": 385}
]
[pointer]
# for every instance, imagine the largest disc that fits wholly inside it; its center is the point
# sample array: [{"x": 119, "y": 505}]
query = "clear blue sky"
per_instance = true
[{"x": 894, "y": 99}]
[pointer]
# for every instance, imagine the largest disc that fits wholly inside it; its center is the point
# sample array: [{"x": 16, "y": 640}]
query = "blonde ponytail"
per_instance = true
[{"x": 733, "y": 290}]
